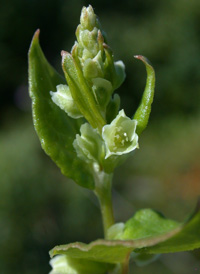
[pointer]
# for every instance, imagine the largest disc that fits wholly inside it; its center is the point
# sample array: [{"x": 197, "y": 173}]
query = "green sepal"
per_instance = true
[
  {"x": 168, "y": 237},
  {"x": 143, "y": 112},
  {"x": 120, "y": 74},
  {"x": 114, "y": 71},
  {"x": 68, "y": 265},
  {"x": 81, "y": 92},
  {"x": 102, "y": 89},
  {"x": 55, "y": 129}
]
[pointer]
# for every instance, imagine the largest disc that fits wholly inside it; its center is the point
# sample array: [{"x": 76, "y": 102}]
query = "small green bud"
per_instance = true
[
  {"x": 88, "y": 18},
  {"x": 95, "y": 59},
  {"x": 93, "y": 67},
  {"x": 102, "y": 89},
  {"x": 63, "y": 98},
  {"x": 88, "y": 40},
  {"x": 120, "y": 136}
]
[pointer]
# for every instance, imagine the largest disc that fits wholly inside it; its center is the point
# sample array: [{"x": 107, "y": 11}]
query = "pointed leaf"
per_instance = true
[
  {"x": 81, "y": 92},
  {"x": 143, "y": 112},
  {"x": 56, "y": 130}
]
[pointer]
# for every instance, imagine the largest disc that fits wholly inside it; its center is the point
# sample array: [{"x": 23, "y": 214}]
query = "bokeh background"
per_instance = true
[{"x": 39, "y": 208}]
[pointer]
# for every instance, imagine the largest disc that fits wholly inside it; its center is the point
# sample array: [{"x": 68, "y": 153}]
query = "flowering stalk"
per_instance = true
[{"x": 79, "y": 121}]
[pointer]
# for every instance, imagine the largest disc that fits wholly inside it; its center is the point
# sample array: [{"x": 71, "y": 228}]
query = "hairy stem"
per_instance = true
[{"x": 103, "y": 183}]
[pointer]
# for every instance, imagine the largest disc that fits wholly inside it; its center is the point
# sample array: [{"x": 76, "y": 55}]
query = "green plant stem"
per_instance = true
[
  {"x": 125, "y": 265},
  {"x": 103, "y": 183}
]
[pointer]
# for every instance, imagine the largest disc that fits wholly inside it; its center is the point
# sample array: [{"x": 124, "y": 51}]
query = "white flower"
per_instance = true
[
  {"x": 63, "y": 98},
  {"x": 120, "y": 136}
]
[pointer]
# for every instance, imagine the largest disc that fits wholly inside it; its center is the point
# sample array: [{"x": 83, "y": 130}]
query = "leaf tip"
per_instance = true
[
  {"x": 35, "y": 41},
  {"x": 36, "y": 34},
  {"x": 143, "y": 59},
  {"x": 64, "y": 53}
]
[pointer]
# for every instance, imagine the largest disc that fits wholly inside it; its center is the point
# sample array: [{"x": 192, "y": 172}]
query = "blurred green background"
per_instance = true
[{"x": 39, "y": 208}]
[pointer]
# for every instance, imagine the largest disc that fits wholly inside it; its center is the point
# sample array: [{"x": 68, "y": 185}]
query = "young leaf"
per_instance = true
[{"x": 55, "y": 129}]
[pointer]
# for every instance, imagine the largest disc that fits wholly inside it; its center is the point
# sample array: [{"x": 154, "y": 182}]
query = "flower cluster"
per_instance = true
[{"x": 92, "y": 76}]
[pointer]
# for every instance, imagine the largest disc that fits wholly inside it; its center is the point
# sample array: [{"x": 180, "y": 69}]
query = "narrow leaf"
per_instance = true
[
  {"x": 143, "y": 112},
  {"x": 81, "y": 92}
]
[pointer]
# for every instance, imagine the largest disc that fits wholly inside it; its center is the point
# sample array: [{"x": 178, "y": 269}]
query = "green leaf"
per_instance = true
[
  {"x": 81, "y": 92},
  {"x": 168, "y": 237},
  {"x": 67, "y": 265},
  {"x": 147, "y": 223},
  {"x": 187, "y": 239},
  {"x": 109, "y": 251},
  {"x": 143, "y": 112},
  {"x": 56, "y": 130}
]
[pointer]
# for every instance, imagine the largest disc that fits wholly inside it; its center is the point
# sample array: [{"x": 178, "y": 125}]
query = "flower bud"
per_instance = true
[
  {"x": 88, "y": 18},
  {"x": 63, "y": 98},
  {"x": 89, "y": 145}
]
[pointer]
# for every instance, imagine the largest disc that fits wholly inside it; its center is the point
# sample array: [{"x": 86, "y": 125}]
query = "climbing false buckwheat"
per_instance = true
[{"x": 83, "y": 130}]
